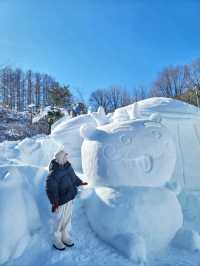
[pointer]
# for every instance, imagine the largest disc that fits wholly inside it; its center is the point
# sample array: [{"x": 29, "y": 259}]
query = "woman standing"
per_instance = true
[{"x": 61, "y": 188}]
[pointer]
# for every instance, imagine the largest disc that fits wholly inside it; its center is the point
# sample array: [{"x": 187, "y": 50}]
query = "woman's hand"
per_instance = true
[
  {"x": 54, "y": 207},
  {"x": 84, "y": 183}
]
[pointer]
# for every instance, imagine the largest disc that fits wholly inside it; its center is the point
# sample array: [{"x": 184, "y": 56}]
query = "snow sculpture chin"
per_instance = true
[{"x": 129, "y": 163}]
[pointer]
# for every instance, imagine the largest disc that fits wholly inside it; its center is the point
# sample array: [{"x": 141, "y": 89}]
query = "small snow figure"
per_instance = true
[{"x": 61, "y": 188}]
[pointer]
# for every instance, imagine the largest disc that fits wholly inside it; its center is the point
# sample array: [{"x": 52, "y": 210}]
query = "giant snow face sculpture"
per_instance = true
[
  {"x": 128, "y": 163},
  {"x": 132, "y": 153}
]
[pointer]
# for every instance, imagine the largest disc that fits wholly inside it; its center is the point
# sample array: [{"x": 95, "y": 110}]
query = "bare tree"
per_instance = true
[
  {"x": 171, "y": 82},
  {"x": 29, "y": 78},
  {"x": 139, "y": 93},
  {"x": 37, "y": 90},
  {"x": 110, "y": 98},
  {"x": 99, "y": 98}
]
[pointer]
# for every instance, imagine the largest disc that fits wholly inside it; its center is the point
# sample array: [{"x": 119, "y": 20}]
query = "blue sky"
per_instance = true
[{"x": 91, "y": 44}]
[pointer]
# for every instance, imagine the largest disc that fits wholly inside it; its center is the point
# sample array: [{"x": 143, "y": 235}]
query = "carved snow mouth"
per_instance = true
[{"x": 144, "y": 163}]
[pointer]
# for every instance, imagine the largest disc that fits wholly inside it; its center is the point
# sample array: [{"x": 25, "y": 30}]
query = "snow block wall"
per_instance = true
[{"x": 129, "y": 162}]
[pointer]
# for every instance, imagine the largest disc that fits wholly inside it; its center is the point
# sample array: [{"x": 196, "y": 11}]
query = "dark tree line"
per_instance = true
[{"x": 19, "y": 90}]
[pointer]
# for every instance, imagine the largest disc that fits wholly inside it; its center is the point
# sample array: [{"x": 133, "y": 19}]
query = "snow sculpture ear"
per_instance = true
[
  {"x": 91, "y": 133},
  {"x": 156, "y": 117},
  {"x": 135, "y": 112},
  {"x": 100, "y": 116}
]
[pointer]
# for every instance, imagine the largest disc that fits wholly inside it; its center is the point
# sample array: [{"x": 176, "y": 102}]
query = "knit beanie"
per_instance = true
[{"x": 60, "y": 157}]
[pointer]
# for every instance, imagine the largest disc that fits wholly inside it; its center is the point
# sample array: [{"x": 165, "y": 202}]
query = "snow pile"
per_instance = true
[
  {"x": 165, "y": 106},
  {"x": 19, "y": 212},
  {"x": 129, "y": 162},
  {"x": 37, "y": 150}
]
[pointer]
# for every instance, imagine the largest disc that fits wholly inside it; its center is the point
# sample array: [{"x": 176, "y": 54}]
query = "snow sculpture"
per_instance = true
[
  {"x": 129, "y": 163},
  {"x": 120, "y": 115},
  {"x": 132, "y": 153},
  {"x": 183, "y": 122},
  {"x": 100, "y": 116}
]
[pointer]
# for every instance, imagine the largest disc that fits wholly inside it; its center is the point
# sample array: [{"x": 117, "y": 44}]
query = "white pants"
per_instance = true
[{"x": 62, "y": 225}]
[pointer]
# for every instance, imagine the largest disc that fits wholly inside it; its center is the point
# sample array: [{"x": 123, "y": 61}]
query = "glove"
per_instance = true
[
  {"x": 84, "y": 183},
  {"x": 55, "y": 206}
]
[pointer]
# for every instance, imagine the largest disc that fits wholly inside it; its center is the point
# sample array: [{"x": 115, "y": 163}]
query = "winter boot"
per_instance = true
[
  {"x": 58, "y": 244},
  {"x": 67, "y": 241}
]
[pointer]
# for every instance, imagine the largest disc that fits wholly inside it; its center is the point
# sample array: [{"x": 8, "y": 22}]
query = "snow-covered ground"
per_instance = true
[{"x": 26, "y": 220}]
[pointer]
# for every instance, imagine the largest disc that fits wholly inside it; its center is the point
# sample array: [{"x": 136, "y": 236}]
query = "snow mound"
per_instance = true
[
  {"x": 132, "y": 153},
  {"x": 165, "y": 106},
  {"x": 37, "y": 151},
  {"x": 20, "y": 216},
  {"x": 129, "y": 219}
]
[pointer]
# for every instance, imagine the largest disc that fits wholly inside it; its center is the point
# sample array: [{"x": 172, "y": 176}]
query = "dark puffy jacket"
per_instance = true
[{"x": 61, "y": 183}]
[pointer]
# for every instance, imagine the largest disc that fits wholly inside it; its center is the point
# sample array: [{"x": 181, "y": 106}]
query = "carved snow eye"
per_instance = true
[
  {"x": 157, "y": 134},
  {"x": 111, "y": 152},
  {"x": 126, "y": 139}
]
